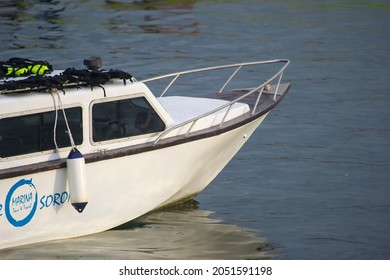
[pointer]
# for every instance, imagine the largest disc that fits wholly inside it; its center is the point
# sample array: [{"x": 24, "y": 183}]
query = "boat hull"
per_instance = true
[
  {"x": 222, "y": 151},
  {"x": 37, "y": 207}
]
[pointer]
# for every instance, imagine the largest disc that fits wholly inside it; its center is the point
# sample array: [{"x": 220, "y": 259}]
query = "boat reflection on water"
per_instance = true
[{"x": 181, "y": 232}]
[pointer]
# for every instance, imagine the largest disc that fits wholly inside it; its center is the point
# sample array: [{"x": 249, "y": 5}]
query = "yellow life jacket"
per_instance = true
[{"x": 17, "y": 67}]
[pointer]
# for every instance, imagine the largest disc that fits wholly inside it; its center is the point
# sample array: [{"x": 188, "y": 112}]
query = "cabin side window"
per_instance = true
[
  {"x": 35, "y": 132},
  {"x": 124, "y": 118}
]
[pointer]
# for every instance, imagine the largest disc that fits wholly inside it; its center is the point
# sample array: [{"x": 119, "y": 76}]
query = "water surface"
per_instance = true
[{"x": 311, "y": 183}]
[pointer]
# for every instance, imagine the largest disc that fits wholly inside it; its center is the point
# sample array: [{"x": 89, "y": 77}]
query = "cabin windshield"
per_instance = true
[
  {"x": 35, "y": 132},
  {"x": 124, "y": 118}
]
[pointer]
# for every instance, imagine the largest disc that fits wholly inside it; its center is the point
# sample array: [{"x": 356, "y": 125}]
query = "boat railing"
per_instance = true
[{"x": 251, "y": 91}]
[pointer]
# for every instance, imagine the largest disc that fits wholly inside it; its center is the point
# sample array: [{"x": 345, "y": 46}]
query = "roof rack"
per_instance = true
[{"x": 70, "y": 77}]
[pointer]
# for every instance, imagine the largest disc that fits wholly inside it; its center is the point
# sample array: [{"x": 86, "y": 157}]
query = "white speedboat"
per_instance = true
[{"x": 83, "y": 151}]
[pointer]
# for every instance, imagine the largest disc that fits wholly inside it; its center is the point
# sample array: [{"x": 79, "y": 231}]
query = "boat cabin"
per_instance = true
[
  {"x": 30, "y": 125},
  {"x": 43, "y": 117},
  {"x": 39, "y": 126}
]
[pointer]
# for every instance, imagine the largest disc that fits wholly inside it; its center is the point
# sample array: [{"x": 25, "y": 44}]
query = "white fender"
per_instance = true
[{"x": 77, "y": 182}]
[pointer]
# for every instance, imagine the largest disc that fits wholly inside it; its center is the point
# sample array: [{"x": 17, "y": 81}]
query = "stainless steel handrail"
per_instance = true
[{"x": 260, "y": 88}]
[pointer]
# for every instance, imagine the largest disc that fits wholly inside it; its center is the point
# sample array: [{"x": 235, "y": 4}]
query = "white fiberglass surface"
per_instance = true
[{"x": 182, "y": 108}]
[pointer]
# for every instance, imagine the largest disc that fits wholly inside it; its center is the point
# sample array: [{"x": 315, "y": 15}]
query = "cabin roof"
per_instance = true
[{"x": 25, "y": 101}]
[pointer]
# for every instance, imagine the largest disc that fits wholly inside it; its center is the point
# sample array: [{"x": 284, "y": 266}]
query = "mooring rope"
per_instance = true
[
  {"x": 55, "y": 120},
  {"x": 69, "y": 132}
]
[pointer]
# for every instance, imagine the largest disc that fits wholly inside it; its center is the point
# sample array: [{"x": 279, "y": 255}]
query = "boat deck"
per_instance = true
[
  {"x": 182, "y": 109},
  {"x": 265, "y": 103}
]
